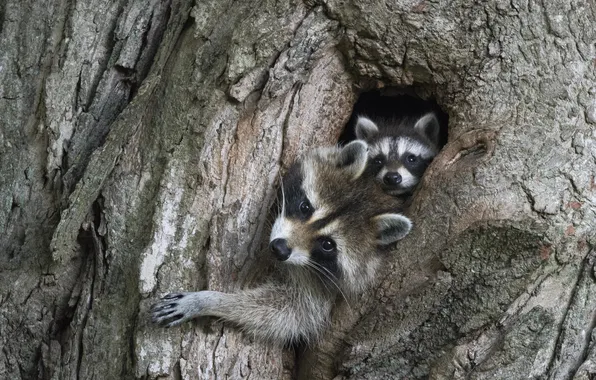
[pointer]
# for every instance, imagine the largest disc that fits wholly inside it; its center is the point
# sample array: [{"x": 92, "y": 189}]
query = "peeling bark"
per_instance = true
[{"x": 141, "y": 146}]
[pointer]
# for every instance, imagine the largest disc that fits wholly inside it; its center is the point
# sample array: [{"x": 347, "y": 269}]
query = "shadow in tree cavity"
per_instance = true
[{"x": 393, "y": 103}]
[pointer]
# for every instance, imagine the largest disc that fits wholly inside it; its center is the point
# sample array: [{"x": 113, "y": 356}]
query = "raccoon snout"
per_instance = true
[
  {"x": 392, "y": 179},
  {"x": 280, "y": 249}
]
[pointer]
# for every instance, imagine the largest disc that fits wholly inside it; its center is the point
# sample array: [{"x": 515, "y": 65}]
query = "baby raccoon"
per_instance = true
[
  {"x": 400, "y": 150},
  {"x": 329, "y": 236}
]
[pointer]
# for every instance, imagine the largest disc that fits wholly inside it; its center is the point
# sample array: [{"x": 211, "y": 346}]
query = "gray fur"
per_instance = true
[
  {"x": 366, "y": 129},
  {"x": 348, "y": 208},
  {"x": 353, "y": 158},
  {"x": 274, "y": 312},
  {"x": 394, "y": 140},
  {"x": 428, "y": 125},
  {"x": 392, "y": 227}
]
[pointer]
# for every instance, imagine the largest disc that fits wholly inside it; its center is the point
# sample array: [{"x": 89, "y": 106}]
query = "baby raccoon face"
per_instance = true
[
  {"x": 300, "y": 237},
  {"x": 400, "y": 150},
  {"x": 328, "y": 221},
  {"x": 398, "y": 163}
]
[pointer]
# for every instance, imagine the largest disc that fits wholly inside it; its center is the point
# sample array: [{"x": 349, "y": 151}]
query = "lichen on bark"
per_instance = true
[{"x": 141, "y": 147}]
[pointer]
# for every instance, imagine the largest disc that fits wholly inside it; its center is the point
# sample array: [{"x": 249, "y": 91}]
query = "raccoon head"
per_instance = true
[
  {"x": 333, "y": 220},
  {"x": 399, "y": 154}
]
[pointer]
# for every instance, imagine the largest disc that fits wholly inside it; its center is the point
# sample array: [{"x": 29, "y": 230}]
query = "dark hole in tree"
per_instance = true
[{"x": 393, "y": 104}]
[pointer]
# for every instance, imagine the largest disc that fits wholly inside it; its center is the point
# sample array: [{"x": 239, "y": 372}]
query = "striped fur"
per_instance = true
[
  {"x": 329, "y": 234},
  {"x": 400, "y": 150}
]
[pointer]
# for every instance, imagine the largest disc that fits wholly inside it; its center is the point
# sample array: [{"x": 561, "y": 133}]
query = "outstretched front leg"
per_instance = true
[
  {"x": 176, "y": 308},
  {"x": 275, "y": 313}
]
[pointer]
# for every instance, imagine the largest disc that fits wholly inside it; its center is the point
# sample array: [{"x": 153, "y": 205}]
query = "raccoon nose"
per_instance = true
[
  {"x": 280, "y": 249},
  {"x": 392, "y": 178}
]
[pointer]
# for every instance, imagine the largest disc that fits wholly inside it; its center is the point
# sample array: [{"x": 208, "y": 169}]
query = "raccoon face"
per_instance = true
[
  {"x": 398, "y": 163},
  {"x": 332, "y": 220},
  {"x": 400, "y": 153}
]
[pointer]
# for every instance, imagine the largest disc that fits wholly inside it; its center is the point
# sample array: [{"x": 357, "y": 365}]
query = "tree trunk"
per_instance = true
[{"x": 141, "y": 143}]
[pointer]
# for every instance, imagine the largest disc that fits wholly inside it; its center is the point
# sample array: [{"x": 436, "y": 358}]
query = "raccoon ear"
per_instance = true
[
  {"x": 428, "y": 125},
  {"x": 365, "y": 128},
  {"x": 392, "y": 227},
  {"x": 352, "y": 158}
]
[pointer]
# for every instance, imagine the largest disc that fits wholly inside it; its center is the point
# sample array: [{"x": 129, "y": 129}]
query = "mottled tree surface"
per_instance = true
[{"x": 141, "y": 144}]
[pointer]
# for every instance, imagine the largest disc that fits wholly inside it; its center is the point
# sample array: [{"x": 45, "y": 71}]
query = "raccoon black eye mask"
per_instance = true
[{"x": 328, "y": 238}]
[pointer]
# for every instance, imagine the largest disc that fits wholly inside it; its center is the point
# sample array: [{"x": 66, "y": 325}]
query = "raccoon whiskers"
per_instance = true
[
  {"x": 331, "y": 219},
  {"x": 316, "y": 272},
  {"x": 277, "y": 200},
  {"x": 283, "y": 197},
  {"x": 321, "y": 269}
]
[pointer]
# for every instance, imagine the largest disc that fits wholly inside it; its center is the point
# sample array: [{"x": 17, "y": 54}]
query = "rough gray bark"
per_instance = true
[{"x": 141, "y": 143}]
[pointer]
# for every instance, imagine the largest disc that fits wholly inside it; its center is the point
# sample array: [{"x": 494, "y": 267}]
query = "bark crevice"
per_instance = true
[{"x": 141, "y": 148}]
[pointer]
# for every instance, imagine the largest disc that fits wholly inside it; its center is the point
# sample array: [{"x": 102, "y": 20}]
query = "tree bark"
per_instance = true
[{"x": 141, "y": 144}]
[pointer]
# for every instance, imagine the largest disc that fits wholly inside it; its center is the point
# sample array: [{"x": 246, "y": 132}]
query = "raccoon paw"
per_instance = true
[{"x": 174, "y": 309}]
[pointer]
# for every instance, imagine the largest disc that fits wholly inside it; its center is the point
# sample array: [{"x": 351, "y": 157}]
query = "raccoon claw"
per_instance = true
[
  {"x": 168, "y": 320},
  {"x": 163, "y": 314},
  {"x": 173, "y": 309},
  {"x": 162, "y": 306},
  {"x": 176, "y": 308},
  {"x": 173, "y": 296}
]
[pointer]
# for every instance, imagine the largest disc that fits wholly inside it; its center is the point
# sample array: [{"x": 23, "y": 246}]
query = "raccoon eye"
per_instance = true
[
  {"x": 328, "y": 245},
  {"x": 412, "y": 158},
  {"x": 305, "y": 208},
  {"x": 378, "y": 160}
]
